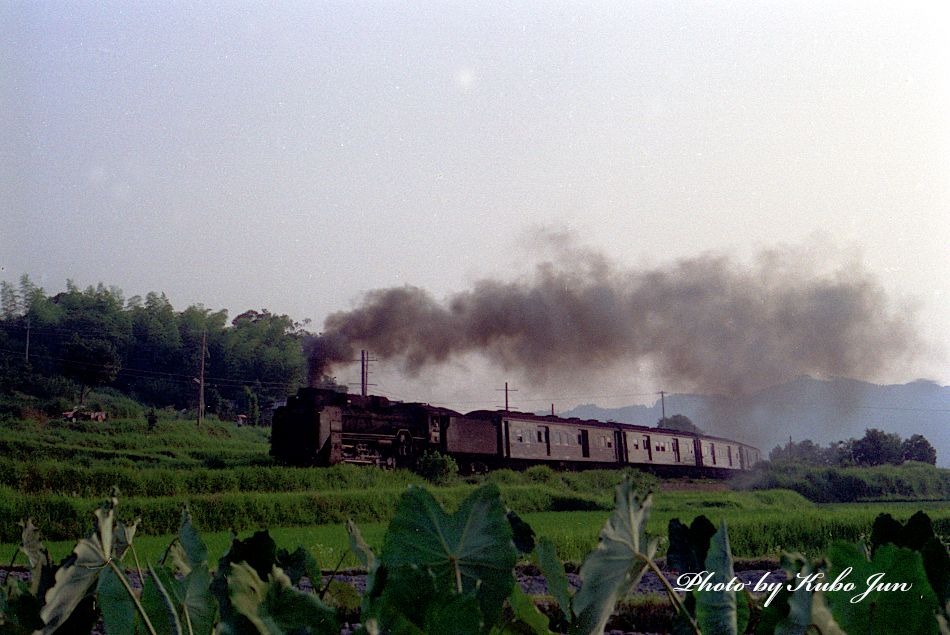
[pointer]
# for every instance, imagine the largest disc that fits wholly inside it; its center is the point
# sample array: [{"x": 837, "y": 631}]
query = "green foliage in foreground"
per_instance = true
[{"x": 440, "y": 572}]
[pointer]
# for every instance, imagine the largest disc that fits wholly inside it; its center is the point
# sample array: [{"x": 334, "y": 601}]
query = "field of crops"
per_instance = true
[{"x": 57, "y": 473}]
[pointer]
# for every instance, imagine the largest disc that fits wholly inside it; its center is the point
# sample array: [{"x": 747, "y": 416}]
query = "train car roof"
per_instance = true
[{"x": 594, "y": 423}]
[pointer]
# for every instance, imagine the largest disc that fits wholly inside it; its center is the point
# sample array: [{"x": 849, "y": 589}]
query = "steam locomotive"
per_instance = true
[{"x": 323, "y": 427}]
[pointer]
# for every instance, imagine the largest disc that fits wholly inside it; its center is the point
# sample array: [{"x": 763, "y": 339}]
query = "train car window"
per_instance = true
[
  {"x": 540, "y": 437},
  {"x": 579, "y": 441}
]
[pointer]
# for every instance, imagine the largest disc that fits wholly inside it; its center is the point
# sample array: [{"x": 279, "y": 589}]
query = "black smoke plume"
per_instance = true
[{"x": 707, "y": 323}]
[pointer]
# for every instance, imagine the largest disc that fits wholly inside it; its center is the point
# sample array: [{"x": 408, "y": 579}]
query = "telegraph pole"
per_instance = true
[
  {"x": 506, "y": 389},
  {"x": 365, "y": 360},
  {"x": 26, "y": 354},
  {"x": 663, "y": 403},
  {"x": 201, "y": 381}
]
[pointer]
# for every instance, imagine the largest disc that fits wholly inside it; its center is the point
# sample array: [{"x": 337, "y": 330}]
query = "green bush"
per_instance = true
[
  {"x": 910, "y": 481},
  {"x": 437, "y": 468}
]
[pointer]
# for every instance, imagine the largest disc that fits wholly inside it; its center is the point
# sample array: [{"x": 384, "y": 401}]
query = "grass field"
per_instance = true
[{"x": 57, "y": 473}]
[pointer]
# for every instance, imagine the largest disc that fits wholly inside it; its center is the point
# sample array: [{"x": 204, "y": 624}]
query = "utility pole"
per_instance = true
[
  {"x": 26, "y": 354},
  {"x": 663, "y": 403},
  {"x": 364, "y": 372},
  {"x": 201, "y": 381},
  {"x": 506, "y": 389},
  {"x": 365, "y": 360}
]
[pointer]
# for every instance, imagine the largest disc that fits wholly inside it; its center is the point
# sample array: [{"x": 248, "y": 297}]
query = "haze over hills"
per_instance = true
[{"x": 805, "y": 408}]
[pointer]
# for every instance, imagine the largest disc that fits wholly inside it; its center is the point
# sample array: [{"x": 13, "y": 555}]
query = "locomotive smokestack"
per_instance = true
[{"x": 707, "y": 323}]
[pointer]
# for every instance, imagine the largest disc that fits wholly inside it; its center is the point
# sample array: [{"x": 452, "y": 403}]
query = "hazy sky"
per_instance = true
[{"x": 295, "y": 156}]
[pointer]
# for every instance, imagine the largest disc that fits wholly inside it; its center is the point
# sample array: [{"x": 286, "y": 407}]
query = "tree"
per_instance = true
[
  {"x": 877, "y": 448},
  {"x": 90, "y": 363},
  {"x": 806, "y": 452},
  {"x": 918, "y": 448},
  {"x": 9, "y": 300}
]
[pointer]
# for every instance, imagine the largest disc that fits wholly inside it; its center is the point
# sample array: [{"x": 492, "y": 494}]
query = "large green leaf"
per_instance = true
[
  {"x": 528, "y": 620},
  {"x": 158, "y": 602},
  {"x": 455, "y": 614},
  {"x": 554, "y": 575},
  {"x": 716, "y": 610},
  {"x": 298, "y": 564},
  {"x": 918, "y": 534},
  {"x": 907, "y": 612},
  {"x": 123, "y": 534},
  {"x": 188, "y": 551},
  {"x": 275, "y": 607},
  {"x": 190, "y": 598},
  {"x": 42, "y": 570},
  {"x": 469, "y": 551},
  {"x": 368, "y": 559},
  {"x": 79, "y": 573},
  {"x": 521, "y": 532},
  {"x": 260, "y": 552},
  {"x": 689, "y": 545},
  {"x": 19, "y": 609},
  {"x": 118, "y": 609},
  {"x": 616, "y": 566}
]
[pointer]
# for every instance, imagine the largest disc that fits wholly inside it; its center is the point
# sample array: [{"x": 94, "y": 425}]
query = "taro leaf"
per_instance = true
[
  {"x": 118, "y": 609},
  {"x": 689, "y": 545},
  {"x": 801, "y": 611},
  {"x": 529, "y": 619},
  {"x": 788, "y": 613},
  {"x": 197, "y": 604},
  {"x": 79, "y": 572},
  {"x": 716, "y": 611},
  {"x": 299, "y": 564},
  {"x": 687, "y": 554},
  {"x": 158, "y": 603},
  {"x": 19, "y": 609},
  {"x": 744, "y": 604},
  {"x": 275, "y": 607},
  {"x": 398, "y": 602},
  {"x": 937, "y": 564},
  {"x": 553, "y": 571},
  {"x": 918, "y": 531},
  {"x": 190, "y": 598},
  {"x": 42, "y": 570},
  {"x": 189, "y": 550},
  {"x": 31, "y": 544},
  {"x": 918, "y": 534},
  {"x": 468, "y": 551},
  {"x": 886, "y": 530},
  {"x": 521, "y": 532},
  {"x": 259, "y": 551},
  {"x": 367, "y": 558},
  {"x": 616, "y": 566},
  {"x": 358, "y": 546},
  {"x": 822, "y": 618},
  {"x": 909, "y": 612},
  {"x": 456, "y": 614},
  {"x": 123, "y": 536}
]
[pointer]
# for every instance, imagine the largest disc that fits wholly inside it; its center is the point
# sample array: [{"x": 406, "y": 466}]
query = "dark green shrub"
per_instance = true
[{"x": 437, "y": 468}]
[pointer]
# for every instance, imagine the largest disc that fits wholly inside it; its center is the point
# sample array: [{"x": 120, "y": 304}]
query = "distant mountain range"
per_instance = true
[{"x": 805, "y": 408}]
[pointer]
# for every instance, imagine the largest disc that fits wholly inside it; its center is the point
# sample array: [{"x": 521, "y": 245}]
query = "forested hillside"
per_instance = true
[{"x": 57, "y": 348}]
